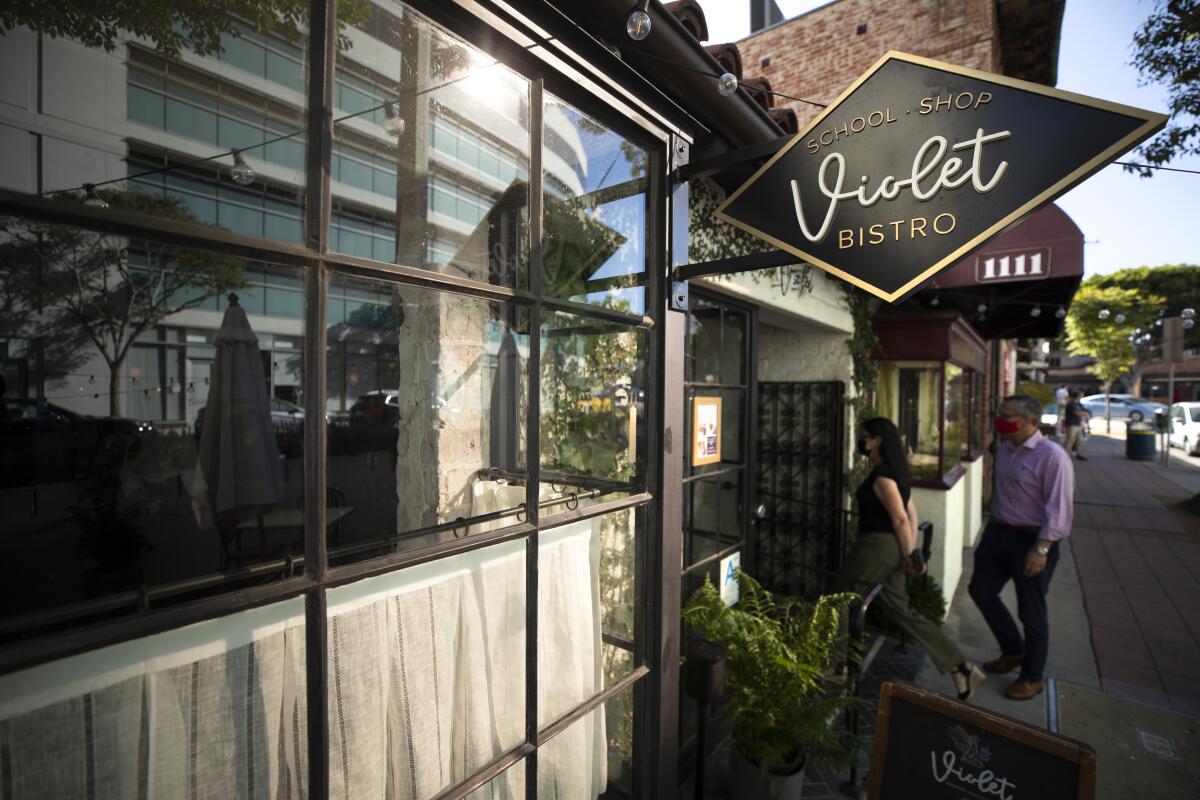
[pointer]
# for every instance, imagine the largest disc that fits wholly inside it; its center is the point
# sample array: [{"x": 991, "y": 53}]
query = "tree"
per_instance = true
[
  {"x": 1179, "y": 283},
  {"x": 1167, "y": 50},
  {"x": 1107, "y": 338},
  {"x": 193, "y": 24},
  {"x": 104, "y": 289}
]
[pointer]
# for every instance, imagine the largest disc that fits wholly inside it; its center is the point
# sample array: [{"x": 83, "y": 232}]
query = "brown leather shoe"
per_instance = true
[
  {"x": 1004, "y": 664},
  {"x": 1024, "y": 690}
]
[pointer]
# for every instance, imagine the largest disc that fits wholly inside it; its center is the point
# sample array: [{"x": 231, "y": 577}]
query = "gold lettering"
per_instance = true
[
  {"x": 840, "y": 131},
  {"x": 871, "y": 119},
  {"x": 937, "y": 106},
  {"x": 926, "y": 106},
  {"x": 812, "y": 145},
  {"x": 958, "y": 101},
  {"x": 845, "y": 238},
  {"x": 890, "y": 118},
  {"x": 862, "y": 123},
  {"x": 896, "y": 229},
  {"x": 876, "y": 230},
  {"x": 821, "y": 138},
  {"x": 953, "y": 224},
  {"x": 860, "y": 231},
  {"x": 984, "y": 97},
  {"x": 914, "y": 228}
]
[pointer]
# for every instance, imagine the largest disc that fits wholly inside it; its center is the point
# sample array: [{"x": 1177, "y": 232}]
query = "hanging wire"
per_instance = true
[{"x": 717, "y": 76}]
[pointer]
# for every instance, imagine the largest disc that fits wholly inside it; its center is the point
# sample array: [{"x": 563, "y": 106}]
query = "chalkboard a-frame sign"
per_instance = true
[{"x": 931, "y": 747}]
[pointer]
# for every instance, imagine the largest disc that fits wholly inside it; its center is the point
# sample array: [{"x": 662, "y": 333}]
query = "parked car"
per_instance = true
[
  {"x": 375, "y": 420},
  {"x": 287, "y": 420},
  {"x": 1185, "y": 427},
  {"x": 41, "y": 442},
  {"x": 1123, "y": 406},
  {"x": 1050, "y": 414}
]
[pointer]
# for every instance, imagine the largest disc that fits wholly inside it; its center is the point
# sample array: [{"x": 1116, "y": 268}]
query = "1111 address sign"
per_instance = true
[{"x": 919, "y": 162}]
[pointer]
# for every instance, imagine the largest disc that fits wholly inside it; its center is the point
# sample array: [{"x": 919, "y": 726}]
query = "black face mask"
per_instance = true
[{"x": 863, "y": 450}]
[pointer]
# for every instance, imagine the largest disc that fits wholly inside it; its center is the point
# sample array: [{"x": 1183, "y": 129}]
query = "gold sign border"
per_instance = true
[{"x": 1153, "y": 122}]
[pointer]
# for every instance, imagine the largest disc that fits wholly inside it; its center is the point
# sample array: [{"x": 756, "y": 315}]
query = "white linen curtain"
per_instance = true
[{"x": 213, "y": 710}]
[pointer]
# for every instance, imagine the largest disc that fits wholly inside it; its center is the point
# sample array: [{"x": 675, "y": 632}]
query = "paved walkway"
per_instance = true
[{"x": 1138, "y": 559}]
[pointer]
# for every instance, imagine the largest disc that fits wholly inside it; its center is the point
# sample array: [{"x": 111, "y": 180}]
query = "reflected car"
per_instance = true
[
  {"x": 1123, "y": 406},
  {"x": 1050, "y": 414},
  {"x": 1185, "y": 427},
  {"x": 379, "y": 409},
  {"x": 41, "y": 442}
]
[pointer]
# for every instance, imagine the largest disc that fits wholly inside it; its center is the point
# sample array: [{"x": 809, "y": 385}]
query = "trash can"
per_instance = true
[{"x": 1141, "y": 441}]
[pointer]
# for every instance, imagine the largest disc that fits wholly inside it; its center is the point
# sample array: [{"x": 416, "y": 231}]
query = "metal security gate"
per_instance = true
[{"x": 801, "y": 532}]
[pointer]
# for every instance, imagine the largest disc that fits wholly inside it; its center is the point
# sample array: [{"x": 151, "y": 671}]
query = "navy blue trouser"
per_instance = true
[{"x": 1000, "y": 558}]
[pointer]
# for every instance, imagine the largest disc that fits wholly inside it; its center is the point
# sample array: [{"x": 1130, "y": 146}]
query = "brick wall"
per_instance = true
[{"x": 817, "y": 55}]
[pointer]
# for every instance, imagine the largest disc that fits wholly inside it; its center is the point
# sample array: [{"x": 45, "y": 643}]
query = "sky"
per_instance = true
[{"x": 1126, "y": 221}]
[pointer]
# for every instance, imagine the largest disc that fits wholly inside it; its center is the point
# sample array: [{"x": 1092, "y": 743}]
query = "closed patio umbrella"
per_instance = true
[{"x": 238, "y": 472}]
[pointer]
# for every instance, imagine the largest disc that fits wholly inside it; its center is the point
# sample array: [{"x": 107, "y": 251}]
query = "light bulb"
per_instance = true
[
  {"x": 90, "y": 198},
  {"x": 1188, "y": 313},
  {"x": 242, "y": 173},
  {"x": 1036, "y": 311},
  {"x": 936, "y": 301},
  {"x": 1158, "y": 323},
  {"x": 1189, "y": 322},
  {"x": 1137, "y": 331},
  {"x": 1119, "y": 319},
  {"x": 1103, "y": 313},
  {"x": 1062, "y": 312},
  {"x": 638, "y": 25},
  {"x": 393, "y": 123},
  {"x": 982, "y": 308},
  {"x": 727, "y": 84}
]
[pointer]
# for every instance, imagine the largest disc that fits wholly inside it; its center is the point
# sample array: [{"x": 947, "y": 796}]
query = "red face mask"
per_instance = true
[{"x": 1006, "y": 425}]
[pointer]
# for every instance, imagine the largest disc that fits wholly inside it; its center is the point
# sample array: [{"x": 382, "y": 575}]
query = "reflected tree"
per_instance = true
[{"x": 103, "y": 289}]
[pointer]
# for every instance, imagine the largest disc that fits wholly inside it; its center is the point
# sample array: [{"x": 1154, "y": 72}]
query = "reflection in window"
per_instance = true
[
  {"x": 595, "y": 212},
  {"x": 955, "y": 411},
  {"x": 919, "y": 397},
  {"x": 593, "y": 400},
  {"x": 118, "y": 399},
  {"x": 425, "y": 413},
  {"x": 592, "y": 756},
  {"x": 462, "y": 159}
]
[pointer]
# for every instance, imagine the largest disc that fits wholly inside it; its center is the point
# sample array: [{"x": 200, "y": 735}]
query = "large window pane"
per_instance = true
[
  {"x": 427, "y": 673},
  {"x": 118, "y": 471},
  {"x": 593, "y": 401},
  {"x": 594, "y": 757},
  {"x": 920, "y": 395},
  {"x": 426, "y": 399},
  {"x": 587, "y": 573},
  {"x": 595, "y": 211},
  {"x": 194, "y": 82},
  {"x": 955, "y": 411},
  {"x": 455, "y": 102},
  {"x": 163, "y": 713}
]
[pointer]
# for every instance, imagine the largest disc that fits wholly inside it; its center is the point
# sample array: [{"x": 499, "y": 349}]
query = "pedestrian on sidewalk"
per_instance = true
[
  {"x": 1032, "y": 509},
  {"x": 1076, "y": 416},
  {"x": 1061, "y": 398},
  {"x": 887, "y": 550}
]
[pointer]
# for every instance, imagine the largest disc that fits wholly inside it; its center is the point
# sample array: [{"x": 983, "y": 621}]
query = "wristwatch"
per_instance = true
[{"x": 1042, "y": 550}]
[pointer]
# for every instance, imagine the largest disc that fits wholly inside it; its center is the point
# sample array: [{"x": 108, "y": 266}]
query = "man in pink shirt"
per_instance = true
[{"x": 1032, "y": 509}]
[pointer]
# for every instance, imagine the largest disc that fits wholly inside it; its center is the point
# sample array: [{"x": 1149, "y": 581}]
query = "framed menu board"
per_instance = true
[
  {"x": 706, "y": 430},
  {"x": 935, "y": 748}
]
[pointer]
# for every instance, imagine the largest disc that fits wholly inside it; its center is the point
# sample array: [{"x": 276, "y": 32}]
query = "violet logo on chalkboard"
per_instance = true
[
  {"x": 920, "y": 162},
  {"x": 953, "y": 766}
]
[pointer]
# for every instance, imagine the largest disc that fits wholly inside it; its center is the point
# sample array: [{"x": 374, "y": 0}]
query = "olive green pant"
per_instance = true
[{"x": 876, "y": 559}]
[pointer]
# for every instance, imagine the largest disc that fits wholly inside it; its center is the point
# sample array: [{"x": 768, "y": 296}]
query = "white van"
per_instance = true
[{"x": 1185, "y": 427}]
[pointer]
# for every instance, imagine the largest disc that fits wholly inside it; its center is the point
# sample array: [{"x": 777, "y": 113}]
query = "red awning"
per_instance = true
[{"x": 1036, "y": 265}]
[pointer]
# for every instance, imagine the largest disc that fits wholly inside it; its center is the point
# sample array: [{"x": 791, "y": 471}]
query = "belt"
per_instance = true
[{"x": 1019, "y": 528}]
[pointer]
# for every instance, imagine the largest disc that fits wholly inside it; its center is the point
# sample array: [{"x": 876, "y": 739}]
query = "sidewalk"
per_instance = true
[{"x": 1138, "y": 558}]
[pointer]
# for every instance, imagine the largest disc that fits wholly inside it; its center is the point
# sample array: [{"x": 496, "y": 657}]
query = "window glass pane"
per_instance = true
[
  {"x": 192, "y": 688},
  {"x": 954, "y": 433},
  {"x": 444, "y": 643},
  {"x": 703, "y": 357},
  {"x": 920, "y": 394},
  {"x": 426, "y": 395},
  {"x": 185, "y": 100},
  {"x": 453, "y": 104},
  {"x": 592, "y": 758},
  {"x": 586, "y": 577},
  {"x": 593, "y": 401},
  {"x": 286, "y": 71},
  {"x": 595, "y": 248},
  {"x": 115, "y": 477}
]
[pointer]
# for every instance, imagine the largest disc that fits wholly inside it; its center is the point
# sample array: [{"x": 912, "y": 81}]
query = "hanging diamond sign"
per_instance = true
[{"x": 919, "y": 163}]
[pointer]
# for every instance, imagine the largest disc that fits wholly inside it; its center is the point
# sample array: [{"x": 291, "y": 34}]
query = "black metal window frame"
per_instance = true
[{"x": 559, "y": 68}]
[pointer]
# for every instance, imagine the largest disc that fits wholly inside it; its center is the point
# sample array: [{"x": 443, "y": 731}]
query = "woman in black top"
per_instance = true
[{"x": 887, "y": 550}]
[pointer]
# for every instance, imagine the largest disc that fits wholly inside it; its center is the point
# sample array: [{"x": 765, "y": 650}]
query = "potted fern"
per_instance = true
[{"x": 780, "y": 655}]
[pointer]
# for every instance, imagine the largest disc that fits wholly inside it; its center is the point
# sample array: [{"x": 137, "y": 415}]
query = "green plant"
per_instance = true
[
  {"x": 865, "y": 374},
  {"x": 778, "y": 653},
  {"x": 1042, "y": 392}
]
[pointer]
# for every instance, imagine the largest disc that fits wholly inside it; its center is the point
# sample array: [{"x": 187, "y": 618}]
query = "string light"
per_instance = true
[
  {"x": 982, "y": 309},
  {"x": 637, "y": 24},
  {"x": 91, "y": 199},
  {"x": 1035, "y": 312},
  {"x": 1104, "y": 313},
  {"x": 936, "y": 301},
  {"x": 241, "y": 172},
  {"x": 1189, "y": 322},
  {"x": 1119, "y": 319},
  {"x": 393, "y": 123},
  {"x": 727, "y": 84},
  {"x": 1188, "y": 313},
  {"x": 1062, "y": 312}
]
